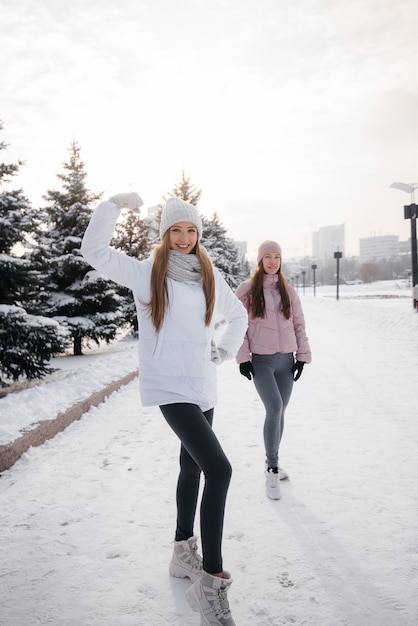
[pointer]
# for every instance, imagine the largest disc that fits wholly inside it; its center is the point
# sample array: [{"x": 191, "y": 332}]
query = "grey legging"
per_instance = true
[
  {"x": 273, "y": 379},
  {"x": 200, "y": 451}
]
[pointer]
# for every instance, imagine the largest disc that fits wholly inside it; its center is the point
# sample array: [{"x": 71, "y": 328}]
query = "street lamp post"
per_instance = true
[
  {"x": 303, "y": 280},
  {"x": 338, "y": 255},
  {"x": 408, "y": 273},
  {"x": 313, "y": 267},
  {"x": 410, "y": 213}
]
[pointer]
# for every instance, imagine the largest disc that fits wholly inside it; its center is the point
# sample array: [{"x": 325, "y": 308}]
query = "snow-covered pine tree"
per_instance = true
[
  {"x": 131, "y": 237},
  {"x": 76, "y": 295},
  {"x": 27, "y": 342},
  {"x": 223, "y": 251},
  {"x": 186, "y": 191},
  {"x": 18, "y": 281}
]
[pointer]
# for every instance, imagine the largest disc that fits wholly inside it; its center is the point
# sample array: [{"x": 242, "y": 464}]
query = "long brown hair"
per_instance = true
[
  {"x": 159, "y": 292},
  {"x": 256, "y": 294}
]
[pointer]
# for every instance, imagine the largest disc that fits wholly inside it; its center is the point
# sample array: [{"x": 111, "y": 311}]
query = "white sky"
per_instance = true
[{"x": 288, "y": 115}]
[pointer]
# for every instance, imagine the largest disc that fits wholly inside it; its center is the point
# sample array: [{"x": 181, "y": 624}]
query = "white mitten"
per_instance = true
[
  {"x": 129, "y": 200},
  {"x": 217, "y": 355}
]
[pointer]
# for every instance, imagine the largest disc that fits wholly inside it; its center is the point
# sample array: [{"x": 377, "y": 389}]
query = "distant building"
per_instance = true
[
  {"x": 327, "y": 240},
  {"x": 379, "y": 248},
  {"x": 405, "y": 247},
  {"x": 153, "y": 210}
]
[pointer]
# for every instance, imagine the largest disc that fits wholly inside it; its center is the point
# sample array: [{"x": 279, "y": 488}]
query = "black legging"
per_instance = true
[{"x": 200, "y": 451}]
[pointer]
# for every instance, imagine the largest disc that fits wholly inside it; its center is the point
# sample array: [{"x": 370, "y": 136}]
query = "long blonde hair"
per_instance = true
[
  {"x": 256, "y": 294},
  {"x": 159, "y": 292}
]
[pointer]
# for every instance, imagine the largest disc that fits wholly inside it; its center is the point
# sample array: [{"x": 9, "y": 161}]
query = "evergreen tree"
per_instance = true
[
  {"x": 18, "y": 281},
  {"x": 223, "y": 251},
  {"x": 152, "y": 223},
  {"x": 131, "y": 235},
  {"x": 186, "y": 191},
  {"x": 76, "y": 295},
  {"x": 27, "y": 342}
]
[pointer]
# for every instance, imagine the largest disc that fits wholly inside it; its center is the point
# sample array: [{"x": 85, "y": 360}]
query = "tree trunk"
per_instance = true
[{"x": 77, "y": 346}]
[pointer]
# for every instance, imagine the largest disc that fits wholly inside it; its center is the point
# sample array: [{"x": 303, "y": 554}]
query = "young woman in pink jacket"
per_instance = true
[{"x": 274, "y": 351}]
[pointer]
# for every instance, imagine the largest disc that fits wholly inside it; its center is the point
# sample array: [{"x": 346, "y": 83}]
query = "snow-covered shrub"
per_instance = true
[{"x": 27, "y": 343}]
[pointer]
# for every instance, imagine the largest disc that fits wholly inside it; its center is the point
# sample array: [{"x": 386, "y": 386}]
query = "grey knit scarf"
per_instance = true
[{"x": 184, "y": 267}]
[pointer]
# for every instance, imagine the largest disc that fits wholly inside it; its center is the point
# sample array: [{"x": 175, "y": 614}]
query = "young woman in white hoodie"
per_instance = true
[
  {"x": 274, "y": 351},
  {"x": 179, "y": 295}
]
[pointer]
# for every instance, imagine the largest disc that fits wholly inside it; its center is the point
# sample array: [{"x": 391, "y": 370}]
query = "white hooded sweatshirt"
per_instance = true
[{"x": 175, "y": 364}]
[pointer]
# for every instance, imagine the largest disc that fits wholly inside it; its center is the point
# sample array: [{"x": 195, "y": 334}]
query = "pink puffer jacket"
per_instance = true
[{"x": 274, "y": 333}]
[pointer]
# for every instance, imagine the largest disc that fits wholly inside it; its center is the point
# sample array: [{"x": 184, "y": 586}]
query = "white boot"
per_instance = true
[
  {"x": 283, "y": 474},
  {"x": 273, "y": 484},
  {"x": 186, "y": 562},
  {"x": 208, "y": 596}
]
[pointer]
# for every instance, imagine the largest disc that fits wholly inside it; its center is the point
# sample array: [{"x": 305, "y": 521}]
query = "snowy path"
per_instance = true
[{"x": 87, "y": 519}]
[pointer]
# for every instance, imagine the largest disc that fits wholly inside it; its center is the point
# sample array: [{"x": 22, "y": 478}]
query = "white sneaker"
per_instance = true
[
  {"x": 272, "y": 484},
  {"x": 186, "y": 562},
  {"x": 208, "y": 596},
  {"x": 283, "y": 474}
]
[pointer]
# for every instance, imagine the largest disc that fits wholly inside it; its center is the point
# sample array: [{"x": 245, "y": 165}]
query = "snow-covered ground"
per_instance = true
[
  {"x": 87, "y": 519},
  {"x": 74, "y": 380}
]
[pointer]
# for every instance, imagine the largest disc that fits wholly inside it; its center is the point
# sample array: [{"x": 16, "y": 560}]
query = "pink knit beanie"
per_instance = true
[{"x": 266, "y": 247}]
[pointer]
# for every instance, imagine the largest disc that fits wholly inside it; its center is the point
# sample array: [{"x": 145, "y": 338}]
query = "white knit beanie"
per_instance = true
[
  {"x": 268, "y": 247},
  {"x": 176, "y": 210}
]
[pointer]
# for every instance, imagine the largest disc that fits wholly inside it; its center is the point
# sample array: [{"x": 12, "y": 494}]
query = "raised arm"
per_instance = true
[{"x": 95, "y": 245}]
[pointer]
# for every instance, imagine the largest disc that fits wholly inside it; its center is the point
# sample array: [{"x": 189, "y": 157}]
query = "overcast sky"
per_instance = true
[{"x": 288, "y": 115}]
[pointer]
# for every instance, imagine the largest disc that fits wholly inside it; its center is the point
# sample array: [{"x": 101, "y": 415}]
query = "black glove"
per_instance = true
[
  {"x": 246, "y": 369},
  {"x": 298, "y": 367}
]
